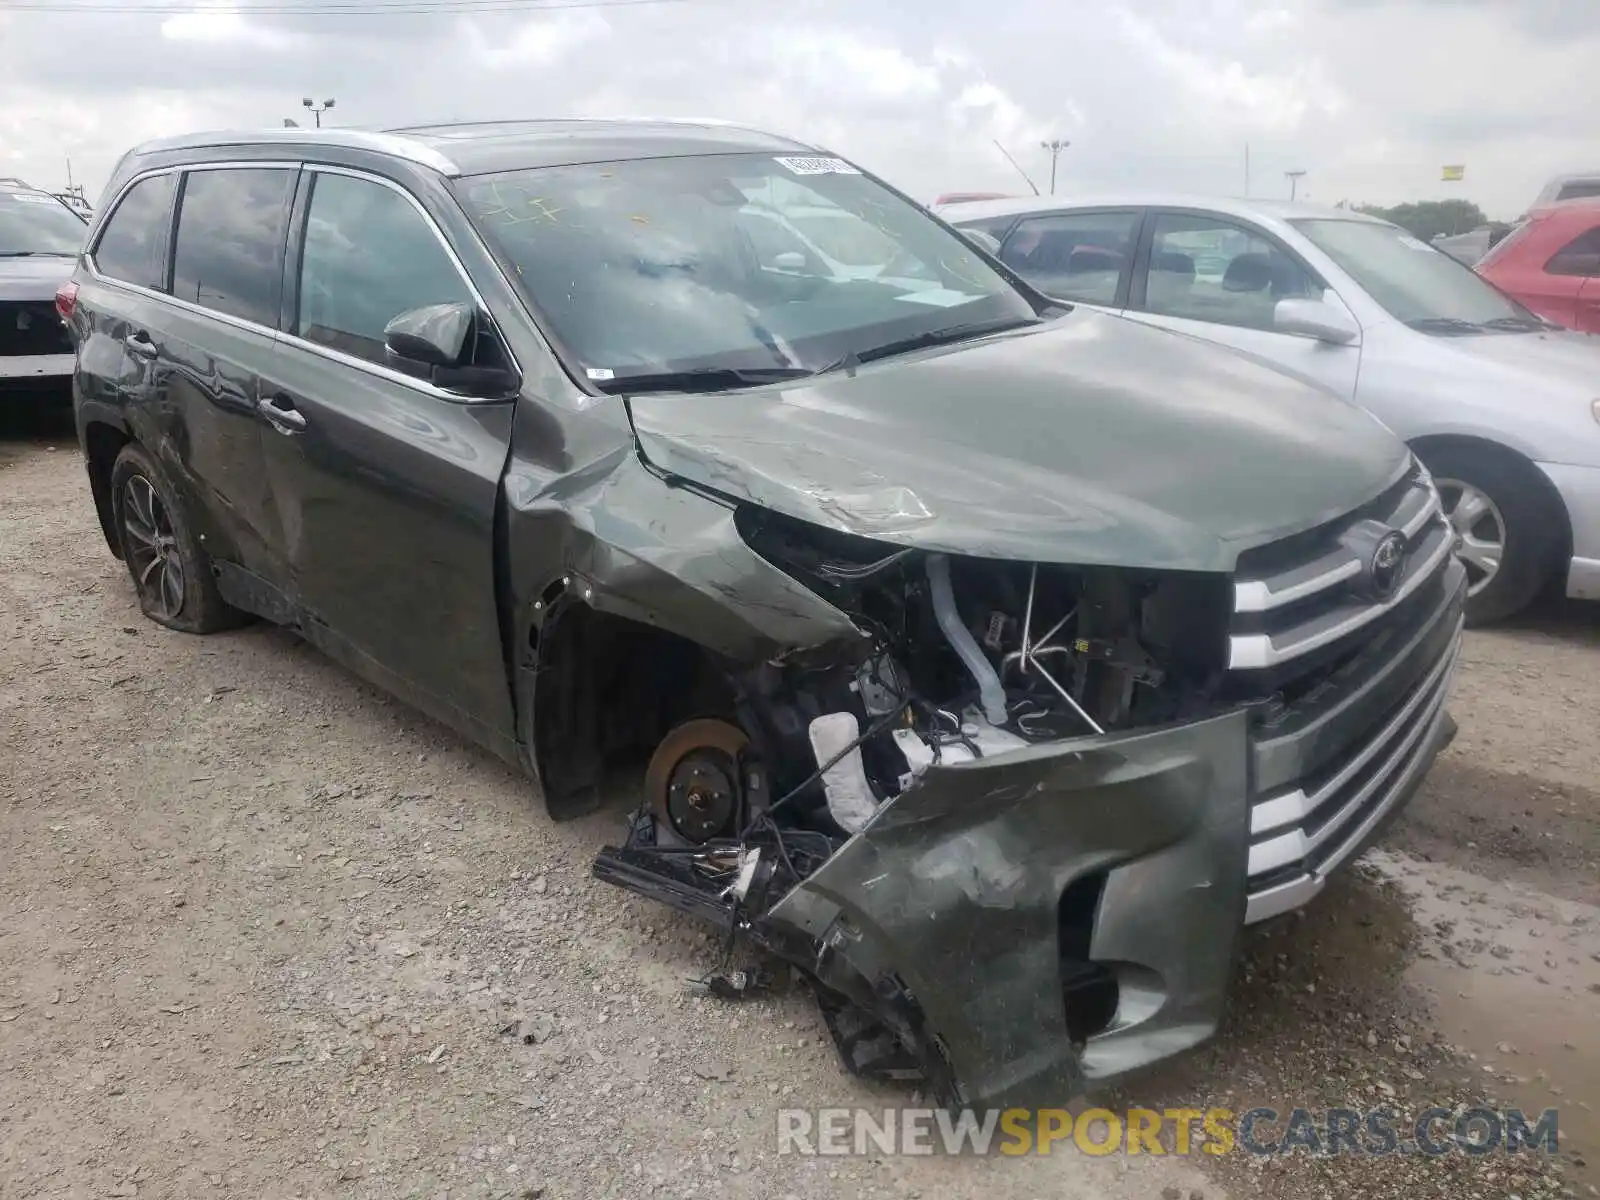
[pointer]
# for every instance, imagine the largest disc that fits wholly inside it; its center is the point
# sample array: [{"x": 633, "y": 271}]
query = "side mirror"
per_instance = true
[
  {"x": 789, "y": 260},
  {"x": 1316, "y": 319},
  {"x": 435, "y": 336},
  {"x": 430, "y": 343}
]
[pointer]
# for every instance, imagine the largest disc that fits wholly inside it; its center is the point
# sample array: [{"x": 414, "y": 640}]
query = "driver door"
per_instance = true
[{"x": 386, "y": 487}]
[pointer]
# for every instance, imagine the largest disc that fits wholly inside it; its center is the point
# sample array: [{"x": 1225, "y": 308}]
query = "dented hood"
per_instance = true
[{"x": 1090, "y": 440}]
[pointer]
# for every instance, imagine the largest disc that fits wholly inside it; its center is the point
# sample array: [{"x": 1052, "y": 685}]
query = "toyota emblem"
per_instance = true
[{"x": 1387, "y": 565}]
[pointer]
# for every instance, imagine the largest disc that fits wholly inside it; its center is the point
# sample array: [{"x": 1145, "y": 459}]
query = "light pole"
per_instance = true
[
  {"x": 1294, "y": 178},
  {"x": 315, "y": 109},
  {"x": 1055, "y": 146}
]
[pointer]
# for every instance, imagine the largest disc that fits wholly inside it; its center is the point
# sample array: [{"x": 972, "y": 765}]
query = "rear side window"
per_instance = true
[
  {"x": 1580, "y": 256},
  {"x": 132, "y": 247},
  {"x": 369, "y": 256},
  {"x": 1075, "y": 256},
  {"x": 231, "y": 229}
]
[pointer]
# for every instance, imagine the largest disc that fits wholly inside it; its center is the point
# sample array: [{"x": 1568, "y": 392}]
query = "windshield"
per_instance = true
[
  {"x": 842, "y": 237},
  {"x": 1413, "y": 281},
  {"x": 33, "y": 223},
  {"x": 660, "y": 267}
]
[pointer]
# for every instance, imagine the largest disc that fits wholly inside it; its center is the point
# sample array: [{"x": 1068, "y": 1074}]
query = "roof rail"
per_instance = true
[
  {"x": 351, "y": 139},
  {"x": 623, "y": 119}
]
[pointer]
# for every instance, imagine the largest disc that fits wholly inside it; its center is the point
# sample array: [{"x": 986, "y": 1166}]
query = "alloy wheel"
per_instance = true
[
  {"x": 1479, "y": 528},
  {"x": 152, "y": 548}
]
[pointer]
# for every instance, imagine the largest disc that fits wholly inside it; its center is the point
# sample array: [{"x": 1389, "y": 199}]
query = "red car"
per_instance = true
[{"x": 1551, "y": 262}]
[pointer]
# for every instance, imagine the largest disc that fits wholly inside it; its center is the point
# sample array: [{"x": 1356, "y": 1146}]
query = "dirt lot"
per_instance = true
[{"x": 261, "y": 927}]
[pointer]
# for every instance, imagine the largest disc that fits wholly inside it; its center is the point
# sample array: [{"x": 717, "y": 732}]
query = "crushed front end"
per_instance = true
[{"x": 1013, "y": 830}]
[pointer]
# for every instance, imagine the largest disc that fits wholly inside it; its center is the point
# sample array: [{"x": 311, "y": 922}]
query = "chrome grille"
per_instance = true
[
  {"x": 1306, "y": 595},
  {"x": 1359, "y": 678},
  {"x": 1300, "y": 835}
]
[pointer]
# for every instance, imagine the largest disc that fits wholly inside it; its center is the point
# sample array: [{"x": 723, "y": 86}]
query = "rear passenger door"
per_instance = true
[
  {"x": 227, "y": 276},
  {"x": 386, "y": 487},
  {"x": 197, "y": 299},
  {"x": 1220, "y": 279},
  {"x": 1085, "y": 257}
]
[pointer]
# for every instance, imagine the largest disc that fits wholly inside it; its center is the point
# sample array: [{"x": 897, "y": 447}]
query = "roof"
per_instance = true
[
  {"x": 1237, "y": 206},
  {"x": 479, "y": 147},
  {"x": 1580, "y": 204}
]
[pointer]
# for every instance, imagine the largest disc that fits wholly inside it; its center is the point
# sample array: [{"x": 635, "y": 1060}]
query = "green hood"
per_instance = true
[{"x": 1090, "y": 440}]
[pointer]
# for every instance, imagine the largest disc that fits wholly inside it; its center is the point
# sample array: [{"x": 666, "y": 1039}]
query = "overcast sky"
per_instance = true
[{"x": 1370, "y": 97}]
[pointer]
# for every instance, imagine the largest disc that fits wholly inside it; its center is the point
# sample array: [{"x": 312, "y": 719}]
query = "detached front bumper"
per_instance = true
[{"x": 963, "y": 911}]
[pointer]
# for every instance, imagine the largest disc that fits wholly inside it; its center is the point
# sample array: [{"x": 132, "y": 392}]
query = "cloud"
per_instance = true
[{"x": 1369, "y": 98}]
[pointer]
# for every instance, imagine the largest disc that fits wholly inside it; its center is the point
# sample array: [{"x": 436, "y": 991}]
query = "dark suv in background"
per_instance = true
[
  {"x": 993, "y": 661},
  {"x": 40, "y": 238}
]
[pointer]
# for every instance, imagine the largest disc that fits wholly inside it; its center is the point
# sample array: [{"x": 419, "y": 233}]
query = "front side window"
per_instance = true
[
  {"x": 1580, "y": 256},
  {"x": 1076, "y": 256},
  {"x": 718, "y": 264},
  {"x": 33, "y": 223},
  {"x": 229, "y": 252},
  {"x": 132, "y": 247},
  {"x": 369, "y": 256},
  {"x": 1413, "y": 282},
  {"x": 1204, "y": 268}
]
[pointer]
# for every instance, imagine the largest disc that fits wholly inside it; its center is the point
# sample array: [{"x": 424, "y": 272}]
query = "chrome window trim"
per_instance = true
[
  {"x": 283, "y": 335},
  {"x": 1253, "y": 652}
]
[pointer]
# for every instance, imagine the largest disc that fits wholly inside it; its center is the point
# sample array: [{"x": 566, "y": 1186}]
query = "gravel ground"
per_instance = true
[{"x": 261, "y": 929}]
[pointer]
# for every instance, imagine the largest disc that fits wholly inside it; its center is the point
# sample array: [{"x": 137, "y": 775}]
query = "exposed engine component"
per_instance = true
[
  {"x": 962, "y": 659},
  {"x": 991, "y": 695},
  {"x": 836, "y": 739},
  {"x": 695, "y": 780}
]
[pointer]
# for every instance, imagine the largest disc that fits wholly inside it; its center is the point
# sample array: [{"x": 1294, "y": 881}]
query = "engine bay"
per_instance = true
[{"x": 960, "y": 659}]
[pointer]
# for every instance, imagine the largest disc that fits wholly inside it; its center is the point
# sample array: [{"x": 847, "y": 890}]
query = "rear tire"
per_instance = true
[
  {"x": 171, "y": 573},
  {"x": 1507, "y": 525}
]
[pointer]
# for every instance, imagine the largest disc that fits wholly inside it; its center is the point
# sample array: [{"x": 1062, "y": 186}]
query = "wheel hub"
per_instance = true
[
  {"x": 693, "y": 781},
  {"x": 1479, "y": 528},
  {"x": 152, "y": 548}
]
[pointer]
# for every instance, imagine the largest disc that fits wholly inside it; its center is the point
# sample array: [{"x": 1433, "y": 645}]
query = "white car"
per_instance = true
[{"x": 1503, "y": 407}]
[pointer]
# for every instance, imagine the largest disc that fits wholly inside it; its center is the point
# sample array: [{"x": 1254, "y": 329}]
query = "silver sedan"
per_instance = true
[{"x": 1503, "y": 407}]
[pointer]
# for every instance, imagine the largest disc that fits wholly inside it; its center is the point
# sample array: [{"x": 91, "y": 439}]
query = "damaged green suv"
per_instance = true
[{"x": 994, "y": 662}]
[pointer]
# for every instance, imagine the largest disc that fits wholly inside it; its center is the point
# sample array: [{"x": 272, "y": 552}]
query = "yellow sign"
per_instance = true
[{"x": 1455, "y": 174}]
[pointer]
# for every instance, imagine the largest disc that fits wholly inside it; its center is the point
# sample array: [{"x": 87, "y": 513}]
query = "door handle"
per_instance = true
[
  {"x": 281, "y": 413},
  {"x": 140, "y": 344}
]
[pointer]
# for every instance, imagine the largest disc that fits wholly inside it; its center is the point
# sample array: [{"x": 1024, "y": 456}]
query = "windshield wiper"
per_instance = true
[
  {"x": 1445, "y": 325},
  {"x": 36, "y": 253},
  {"x": 702, "y": 379},
  {"x": 1515, "y": 324},
  {"x": 933, "y": 337}
]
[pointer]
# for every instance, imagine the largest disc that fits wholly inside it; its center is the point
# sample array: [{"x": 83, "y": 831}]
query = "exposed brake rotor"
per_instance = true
[{"x": 693, "y": 782}]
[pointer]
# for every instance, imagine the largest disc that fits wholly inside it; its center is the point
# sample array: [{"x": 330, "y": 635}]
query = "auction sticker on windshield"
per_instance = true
[{"x": 802, "y": 165}]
